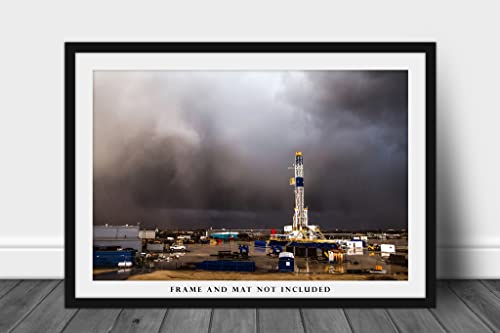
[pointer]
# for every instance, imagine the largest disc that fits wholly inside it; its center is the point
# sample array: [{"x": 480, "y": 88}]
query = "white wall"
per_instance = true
[{"x": 31, "y": 103}]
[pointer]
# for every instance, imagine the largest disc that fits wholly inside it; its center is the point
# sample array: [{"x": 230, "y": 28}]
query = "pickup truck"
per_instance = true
[{"x": 177, "y": 248}]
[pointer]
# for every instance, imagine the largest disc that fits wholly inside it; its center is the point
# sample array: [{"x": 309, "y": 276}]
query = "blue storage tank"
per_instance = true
[
  {"x": 112, "y": 258},
  {"x": 260, "y": 243},
  {"x": 286, "y": 262},
  {"x": 227, "y": 265}
]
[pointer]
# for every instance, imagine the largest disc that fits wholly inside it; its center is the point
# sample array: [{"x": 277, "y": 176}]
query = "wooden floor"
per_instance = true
[{"x": 38, "y": 306}]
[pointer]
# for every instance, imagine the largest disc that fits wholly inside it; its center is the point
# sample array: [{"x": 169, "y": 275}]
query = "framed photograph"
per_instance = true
[{"x": 250, "y": 174}]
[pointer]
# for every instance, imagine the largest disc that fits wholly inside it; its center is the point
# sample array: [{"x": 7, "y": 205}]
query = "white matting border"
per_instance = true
[{"x": 87, "y": 63}]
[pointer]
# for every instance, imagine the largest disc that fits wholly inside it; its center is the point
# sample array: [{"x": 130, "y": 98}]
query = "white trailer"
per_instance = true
[
  {"x": 354, "y": 244},
  {"x": 388, "y": 248}
]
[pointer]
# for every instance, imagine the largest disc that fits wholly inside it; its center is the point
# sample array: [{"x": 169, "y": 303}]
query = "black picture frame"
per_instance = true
[{"x": 73, "y": 48}]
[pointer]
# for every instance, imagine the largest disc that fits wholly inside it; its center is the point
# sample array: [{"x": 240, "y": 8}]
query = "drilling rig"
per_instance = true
[{"x": 300, "y": 224}]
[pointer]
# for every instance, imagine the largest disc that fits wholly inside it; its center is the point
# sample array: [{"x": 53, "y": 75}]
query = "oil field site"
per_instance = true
[
  {"x": 299, "y": 251},
  {"x": 250, "y": 175},
  {"x": 230, "y": 255}
]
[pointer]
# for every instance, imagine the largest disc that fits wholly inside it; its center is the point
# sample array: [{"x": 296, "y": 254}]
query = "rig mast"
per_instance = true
[
  {"x": 300, "y": 212},
  {"x": 300, "y": 228}
]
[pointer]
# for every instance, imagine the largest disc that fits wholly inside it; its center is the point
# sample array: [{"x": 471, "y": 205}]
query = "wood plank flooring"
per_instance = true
[{"x": 38, "y": 306}]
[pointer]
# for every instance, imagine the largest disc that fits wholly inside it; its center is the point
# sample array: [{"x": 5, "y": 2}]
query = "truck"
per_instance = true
[{"x": 177, "y": 248}]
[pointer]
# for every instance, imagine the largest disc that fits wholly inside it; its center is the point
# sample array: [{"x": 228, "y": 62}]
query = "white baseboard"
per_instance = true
[
  {"x": 32, "y": 263},
  {"x": 48, "y": 263},
  {"x": 468, "y": 263}
]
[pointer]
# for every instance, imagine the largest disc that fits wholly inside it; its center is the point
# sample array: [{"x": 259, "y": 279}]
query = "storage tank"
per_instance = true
[{"x": 112, "y": 258}]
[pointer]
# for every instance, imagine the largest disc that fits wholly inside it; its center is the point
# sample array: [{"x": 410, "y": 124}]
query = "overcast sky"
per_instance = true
[{"x": 199, "y": 149}]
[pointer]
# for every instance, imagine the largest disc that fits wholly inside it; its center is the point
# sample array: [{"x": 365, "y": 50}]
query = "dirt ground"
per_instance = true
[
  {"x": 97, "y": 271},
  {"x": 182, "y": 266},
  {"x": 208, "y": 275}
]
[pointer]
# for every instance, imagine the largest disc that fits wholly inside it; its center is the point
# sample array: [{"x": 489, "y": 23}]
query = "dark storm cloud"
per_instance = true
[
  {"x": 361, "y": 120},
  {"x": 204, "y": 149}
]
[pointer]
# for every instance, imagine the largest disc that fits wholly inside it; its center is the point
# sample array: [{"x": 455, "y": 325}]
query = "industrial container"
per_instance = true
[
  {"x": 225, "y": 235},
  {"x": 260, "y": 243},
  {"x": 155, "y": 247},
  {"x": 358, "y": 239},
  {"x": 112, "y": 258},
  {"x": 389, "y": 248},
  {"x": 227, "y": 265},
  {"x": 354, "y": 244},
  {"x": 286, "y": 262}
]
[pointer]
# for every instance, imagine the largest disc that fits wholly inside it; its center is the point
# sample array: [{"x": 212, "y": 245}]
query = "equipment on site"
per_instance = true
[
  {"x": 286, "y": 262},
  {"x": 388, "y": 248},
  {"x": 378, "y": 269},
  {"x": 359, "y": 241},
  {"x": 356, "y": 244},
  {"x": 225, "y": 235},
  {"x": 113, "y": 258},
  {"x": 244, "y": 250},
  {"x": 226, "y": 254},
  {"x": 260, "y": 244},
  {"x": 335, "y": 257},
  {"x": 275, "y": 250},
  {"x": 177, "y": 248},
  {"x": 227, "y": 265},
  {"x": 125, "y": 264}
]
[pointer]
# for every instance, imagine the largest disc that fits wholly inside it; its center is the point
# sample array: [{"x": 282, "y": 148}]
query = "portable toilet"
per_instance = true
[
  {"x": 244, "y": 251},
  {"x": 286, "y": 262}
]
